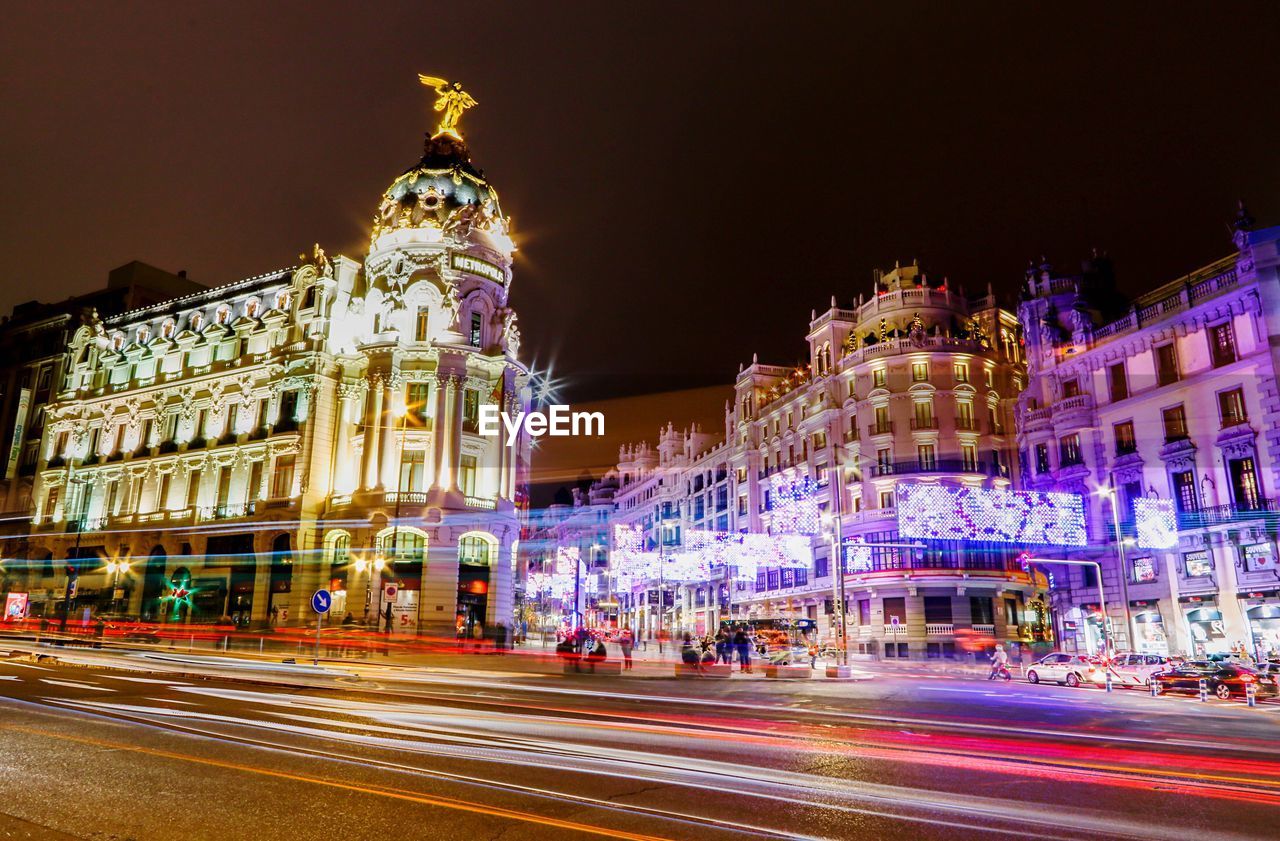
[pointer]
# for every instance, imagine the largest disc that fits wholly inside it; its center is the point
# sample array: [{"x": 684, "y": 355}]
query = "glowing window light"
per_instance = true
[
  {"x": 934, "y": 512},
  {"x": 1156, "y": 522}
]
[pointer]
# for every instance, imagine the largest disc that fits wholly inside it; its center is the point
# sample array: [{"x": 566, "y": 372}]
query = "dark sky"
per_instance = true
[{"x": 687, "y": 180}]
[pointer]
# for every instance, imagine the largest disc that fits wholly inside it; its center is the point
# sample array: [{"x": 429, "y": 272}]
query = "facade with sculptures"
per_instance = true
[{"x": 312, "y": 427}]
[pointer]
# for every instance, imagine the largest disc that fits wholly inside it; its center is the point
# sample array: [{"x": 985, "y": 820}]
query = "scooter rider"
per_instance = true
[{"x": 999, "y": 663}]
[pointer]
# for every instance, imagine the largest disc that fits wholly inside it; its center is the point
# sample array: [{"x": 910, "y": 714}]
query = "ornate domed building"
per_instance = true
[{"x": 312, "y": 427}]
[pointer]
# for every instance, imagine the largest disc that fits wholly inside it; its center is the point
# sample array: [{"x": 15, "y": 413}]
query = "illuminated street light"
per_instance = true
[{"x": 1109, "y": 492}]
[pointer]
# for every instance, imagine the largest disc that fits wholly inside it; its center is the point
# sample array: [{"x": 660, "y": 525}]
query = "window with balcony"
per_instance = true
[
  {"x": 1231, "y": 408},
  {"x": 417, "y": 401},
  {"x": 193, "y": 488},
  {"x": 969, "y": 457},
  {"x": 1126, "y": 443},
  {"x": 883, "y": 424},
  {"x": 964, "y": 416},
  {"x": 1245, "y": 492},
  {"x": 919, "y": 372},
  {"x": 1071, "y": 388},
  {"x": 467, "y": 476},
  {"x": 1069, "y": 450},
  {"x": 1166, "y": 365},
  {"x": 413, "y": 471},
  {"x": 1222, "y": 341},
  {"x": 927, "y": 456},
  {"x": 884, "y": 461},
  {"x": 224, "y": 487},
  {"x": 1175, "y": 424},
  {"x": 923, "y": 415},
  {"x": 470, "y": 410},
  {"x": 1118, "y": 380},
  {"x": 282, "y": 478},
  {"x": 1185, "y": 493}
]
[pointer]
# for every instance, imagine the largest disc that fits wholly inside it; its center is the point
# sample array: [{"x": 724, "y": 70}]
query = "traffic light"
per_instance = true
[{"x": 71, "y": 571}]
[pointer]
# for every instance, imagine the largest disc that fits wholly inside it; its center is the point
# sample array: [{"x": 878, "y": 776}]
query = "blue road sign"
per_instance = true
[{"x": 321, "y": 600}]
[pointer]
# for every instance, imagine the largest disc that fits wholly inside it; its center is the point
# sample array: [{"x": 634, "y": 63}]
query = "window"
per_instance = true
[
  {"x": 884, "y": 460},
  {"x": 1231, "y": 407},
  {"x": 195, "y": 321},
  {"x": 251, "y": 308},
  {"x": 886, "y": 499},
  {"x": 969, "y": 457},
  {"x": 1244, "y": 483},
  {"x": 1069, "y": 449},
  {"x": 282, "y": 478},
  {"x": 420, "y": 324},
  {"x": 937, "y": 610},
  {"x": 981, "y": 611},
  {"x": 923, "y": 415},
  {"x": 254, "y": 490},
  {"x": 162, "y": 493},
  {"x": 1144, "y": 569},
  {"x": 1185, "y": 494},
  {"x": 927, "y": 456},
  {"x": 878, "y": 378},
  {"x": 413, "y": 470},
  {"x": 193, "y": 488},
  {"x": 864, "y": 611},
  {"x": 1197, "y": 564},
  {"x": 467, "y": 476},
  {"x": 883, "y": 424},
  {"x": 919, "y": 372},
  {"x": 224, "y": 314},
  {"x": 224, "y": 486},
  {"x": 1118, "y": 381},
  {"x": 1126, "y": 443},
  {"x": 474, "y": 550},
  {"x": 471, "y": 410},
  {"x": 962, "y": 372},
  {"x": 288, "y": 409},
  {"x": 1042, "y": 458},
  {"x": 1071, "y": 388},
  {"x": 1166, "y": 365},
  {"x": 964, "y": 416},
  {"x": 476, "y": 320},
  {"x": 1223, "y": 344},
  {"x": 168, "y": 329},
  {"x": 1175, "y": 424},
  {"x": 282, "y": 300},
  {"x": 895, "y": 611},
  {"x": 308, "y": 297},
  {"x": 51, "y": 503}
]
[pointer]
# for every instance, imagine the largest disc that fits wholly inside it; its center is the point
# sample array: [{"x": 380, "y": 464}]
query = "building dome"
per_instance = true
[{"x": 429, "y": 194}]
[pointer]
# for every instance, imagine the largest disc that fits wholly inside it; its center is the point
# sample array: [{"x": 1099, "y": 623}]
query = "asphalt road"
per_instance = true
[{"x": 488, "y": 754}]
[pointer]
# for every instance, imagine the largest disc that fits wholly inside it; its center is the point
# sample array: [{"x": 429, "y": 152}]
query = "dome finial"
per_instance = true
[{"x": 451, "y": 100}]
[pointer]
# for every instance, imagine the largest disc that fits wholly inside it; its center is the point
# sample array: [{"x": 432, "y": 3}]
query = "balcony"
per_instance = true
[
  {"x": 939, "y": 629},
  {"x": 884, "y": 428},
  {"x": 937, "y": 465},
  {"x": 1264, "y": 511},
  {"x": 924, "y": 423},
  {"x": 895, "y": 630},
  {"x": 850, "y": 435},
  {"x": 981, "y": 628},
  {"x": 966, "y": 425}
]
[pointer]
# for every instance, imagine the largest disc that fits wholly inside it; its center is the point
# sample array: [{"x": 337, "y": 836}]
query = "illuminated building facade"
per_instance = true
[
  {"x": 1173, "y": 398},
  {"x": 310, "y": 427},
  {"x": 916, "y": 383}
]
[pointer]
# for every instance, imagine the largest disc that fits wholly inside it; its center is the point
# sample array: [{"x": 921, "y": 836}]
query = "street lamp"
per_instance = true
[
  {"x": 116, "y": 568},
  {"x": 832, "y": 522},
  {"x": 81, "y": 507},
  {"x": 1109, "y": 491}
]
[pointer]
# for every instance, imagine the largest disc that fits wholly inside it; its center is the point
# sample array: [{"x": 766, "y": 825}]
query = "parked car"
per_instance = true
[
  {"x": 1132, "y": 670},
  {"x": 1071, "y": 669},
  {"x": 1225, "y": 680}
]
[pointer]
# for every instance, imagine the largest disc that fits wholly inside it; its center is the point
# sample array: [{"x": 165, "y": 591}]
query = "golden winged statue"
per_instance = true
[{"x": 451, "y": 100}]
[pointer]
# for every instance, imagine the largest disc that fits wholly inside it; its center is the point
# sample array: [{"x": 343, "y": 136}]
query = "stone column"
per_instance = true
[
  {"x": 372, "y": 413},
  {"x": 439, "y": 431},
  {"x": 455, "y": 430},
  {"x": 389, "y": 467},
  {"x": 343, "y": 481}
]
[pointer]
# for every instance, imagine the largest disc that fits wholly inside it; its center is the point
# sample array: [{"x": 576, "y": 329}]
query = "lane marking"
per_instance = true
[
  {"x": 393, "y": 793},
  {"x": 75, "y": 685},
  {"x": 146, "y": 680},
  {"x": 27, "y": 666}
]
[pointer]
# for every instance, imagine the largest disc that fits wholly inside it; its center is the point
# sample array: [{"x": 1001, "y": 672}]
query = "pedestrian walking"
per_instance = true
[
  {"x": 743, "y": 643},
  {"x": 626, "y": 641}
]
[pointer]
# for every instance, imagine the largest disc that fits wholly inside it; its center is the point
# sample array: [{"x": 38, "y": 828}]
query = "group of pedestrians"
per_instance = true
[{"x": 720, "y": 649}]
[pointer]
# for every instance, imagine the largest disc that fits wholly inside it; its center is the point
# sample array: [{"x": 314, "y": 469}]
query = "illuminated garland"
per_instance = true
[
  {"x": 1156, "y": 522},
  {"x": 934, "y": 512}
]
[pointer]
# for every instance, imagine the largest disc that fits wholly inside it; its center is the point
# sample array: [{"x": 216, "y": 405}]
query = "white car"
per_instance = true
[
  {"x": 1071, "y": 669},
  {"x": 1132, "y": 670}
]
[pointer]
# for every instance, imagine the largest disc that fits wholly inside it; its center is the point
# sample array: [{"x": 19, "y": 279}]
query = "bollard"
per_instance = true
[
  {"x": 1155, "y": 687},
  {"x": 1251, "y": 694},
  {"x": 1108, "y": 680},
  {"x": 1204, "y": 689}
]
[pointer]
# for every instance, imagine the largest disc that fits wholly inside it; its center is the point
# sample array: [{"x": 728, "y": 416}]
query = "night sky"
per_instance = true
[{"x": 687, "y": 181}]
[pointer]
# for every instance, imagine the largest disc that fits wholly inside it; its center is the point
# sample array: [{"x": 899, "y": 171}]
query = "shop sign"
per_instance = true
[
  {"x": 1195, "y": 599},
  {"x": 15, "y": 607},
  {"x": 1198, "y": 564},
  {"x": 1259, "y": 556},
  {"x": 476, "y": 266}
]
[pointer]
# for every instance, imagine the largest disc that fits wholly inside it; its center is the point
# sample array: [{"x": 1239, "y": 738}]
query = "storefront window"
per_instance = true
[
  {"x": 1264, "y": 625},
  {"x": 1197, "y": 564},
  {"x": 1259, "y": 557},
  {"x": 1208, "y": 632},
  {"x": 1149, "y": 628}
]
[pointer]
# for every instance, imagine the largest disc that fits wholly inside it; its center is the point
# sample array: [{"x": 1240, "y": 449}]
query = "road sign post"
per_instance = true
[{"x": 321, "y": 601}]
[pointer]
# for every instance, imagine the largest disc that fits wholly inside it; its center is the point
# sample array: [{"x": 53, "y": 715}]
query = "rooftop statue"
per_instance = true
[{"x": 451, "y": 101}]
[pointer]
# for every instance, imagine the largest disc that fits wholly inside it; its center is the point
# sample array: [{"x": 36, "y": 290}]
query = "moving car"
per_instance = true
[
  {"x": 1071, "y": 669},
  {"x": 1133, "y": 670},
  {"x": 1225, "y": 680}
]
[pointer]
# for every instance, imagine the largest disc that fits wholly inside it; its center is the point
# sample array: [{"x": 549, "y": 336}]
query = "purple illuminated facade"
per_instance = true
[{"x": 1173, "y": 400}]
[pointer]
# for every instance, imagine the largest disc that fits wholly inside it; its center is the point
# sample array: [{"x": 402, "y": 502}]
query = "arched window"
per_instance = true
[
  {"x": 339, "y": 549},
  {"x": 403, "y": 547},
  {"x": 309, "y": 298},
  {"x": 476, "y": 549}
]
